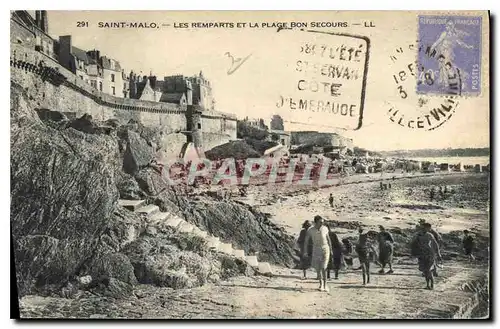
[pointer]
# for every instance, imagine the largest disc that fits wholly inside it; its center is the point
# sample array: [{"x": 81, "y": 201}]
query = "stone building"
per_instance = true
[
  {"x": 173, "y": 89},
  {"x": 328, "y": 141},
  {"x": 101, "y": 72},
  {"x": 32, "y": 32}
]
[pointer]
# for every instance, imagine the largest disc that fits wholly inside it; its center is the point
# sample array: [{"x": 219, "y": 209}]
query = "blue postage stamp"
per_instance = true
[{"x": 449, "y": 55}]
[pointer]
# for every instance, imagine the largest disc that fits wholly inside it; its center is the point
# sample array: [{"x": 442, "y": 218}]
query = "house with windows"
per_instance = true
[
  {"x": 32, "y": 32},
  {"x": 101, "y": 72}
]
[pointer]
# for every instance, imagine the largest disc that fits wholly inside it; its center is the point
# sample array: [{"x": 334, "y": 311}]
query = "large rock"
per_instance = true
[
  {"x": 138, "y": 153},
  {"x": 63, "y": 193}
]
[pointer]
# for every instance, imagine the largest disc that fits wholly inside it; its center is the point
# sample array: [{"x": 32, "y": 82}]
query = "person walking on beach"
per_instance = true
[
  {"x": 321, "y": 249},
  {"x": 436, "y": 235},
  {"x": 347, "y": 251},
  {"x": 330, "y": 200},
  {"x": 386, "y": 249},
  {"x": 468, "y": 244},
  {"x": 363, "y": 251},
  {"x": 336, "y": 259},
  {"x": 305, "y": 258},
  {"x": 425, "y": 247}
]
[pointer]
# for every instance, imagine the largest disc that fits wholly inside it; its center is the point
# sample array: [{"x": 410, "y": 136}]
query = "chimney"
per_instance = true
[
  {"x": 152, "y": 80},
  {"x": 44, "y": 25},
  {"x": 38, "y": 18}
]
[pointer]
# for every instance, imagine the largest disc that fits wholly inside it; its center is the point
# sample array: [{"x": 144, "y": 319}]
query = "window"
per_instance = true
[
  {"x": 113, "y": 89},
  {"x": 282, "y": 141},
  {"x": 112, "y": 78},
  {"x": 93, "y": 84},
  {"x": 199, "y": 125},
  {"x": 100, "y": 85}
]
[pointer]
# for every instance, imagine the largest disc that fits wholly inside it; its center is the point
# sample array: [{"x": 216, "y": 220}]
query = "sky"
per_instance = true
[{"x": 270, "y": 71}]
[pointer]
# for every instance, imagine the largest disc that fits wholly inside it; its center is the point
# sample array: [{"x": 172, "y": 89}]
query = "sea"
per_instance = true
[{"x": 482, "y": 160}]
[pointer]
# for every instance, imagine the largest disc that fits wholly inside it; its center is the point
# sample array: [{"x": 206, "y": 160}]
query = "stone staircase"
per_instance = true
[{"x": 157, "y": 218}]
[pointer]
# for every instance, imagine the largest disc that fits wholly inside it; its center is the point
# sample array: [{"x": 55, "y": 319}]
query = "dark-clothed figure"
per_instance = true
[
  {"x": 336, "y": 259},
  {"x": 468, "y": 244},
  {"x": 425, "y": 247},
  {"x": 305, "y": 259},
  {"x": 436, "y": 235},
  {"x": 347, "y": 251},
  {"x": 386, "y": 249},
  {"x": 330, "y": 200},
  {"x": 363, "y": 251}
]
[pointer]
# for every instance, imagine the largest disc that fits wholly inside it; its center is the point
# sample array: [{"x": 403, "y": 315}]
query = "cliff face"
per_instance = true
[
  {"x": 63, "y": 192},
  {"x": 66, "y": 179}
]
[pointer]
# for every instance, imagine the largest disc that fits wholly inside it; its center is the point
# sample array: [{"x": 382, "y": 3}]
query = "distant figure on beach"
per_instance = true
[
  {"x": 432, "y": 193},
  {"x": 321, "y": 249},
  {"x": 336, "y": 259},
  {"x": 425, "y": 247},
  {"x": 381, "y": 186},
  {"x": 330, "y": 200},
  {"x": 446, "y": 189},
  {"x": 468, "y": 244},
  {"x": 347, "y": 251},
  {"x": 386, "y": 249},
  {"x": 305, "y": 258},
  {"x": 363, "y": 251}
]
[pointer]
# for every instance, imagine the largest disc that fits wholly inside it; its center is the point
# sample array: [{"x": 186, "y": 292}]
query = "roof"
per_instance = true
[
  {"x": 106, "y": 64},
  {"x": 171, "y": 97},
  {"x": 80, "y": 54}
]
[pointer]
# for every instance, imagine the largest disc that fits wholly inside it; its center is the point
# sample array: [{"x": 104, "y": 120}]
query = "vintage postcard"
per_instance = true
[{"x": 250, "y": 165}]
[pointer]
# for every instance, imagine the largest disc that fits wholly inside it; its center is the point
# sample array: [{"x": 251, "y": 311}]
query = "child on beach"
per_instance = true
[
  {"x": 347, "y": 251},
  {"x": 468, "y": 244}
]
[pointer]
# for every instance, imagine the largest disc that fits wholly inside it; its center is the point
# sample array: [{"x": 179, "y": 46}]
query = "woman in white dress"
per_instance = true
[{"x": 322, "y": 247}]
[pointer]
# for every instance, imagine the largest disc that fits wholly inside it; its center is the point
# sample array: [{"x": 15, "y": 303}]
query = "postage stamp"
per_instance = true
[{"x": 449, "y": 56}]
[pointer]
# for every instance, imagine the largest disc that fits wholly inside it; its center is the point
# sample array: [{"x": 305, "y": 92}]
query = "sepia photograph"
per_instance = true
[{"x": 250, "y": 164}]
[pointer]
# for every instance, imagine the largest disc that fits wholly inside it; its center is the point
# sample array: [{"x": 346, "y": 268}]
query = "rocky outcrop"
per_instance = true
[
  {"x": 63, "y": 193},
  {"x": 67, "y": 176},
  {"x": 235, "y": 222}
]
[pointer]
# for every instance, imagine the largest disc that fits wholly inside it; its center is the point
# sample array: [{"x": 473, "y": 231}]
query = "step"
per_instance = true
[
  {"x": 197, "y": 231},
  {"x": 264, "y": 268},
  {"x": 213, "y": 242},
  {"x": 132, "y": 205},
  {"x": 173, "y": 221},
  {"x": 160, "y": 217},
  {"x": 252, "y": 261},
  {"x": 239, "y": 253},
  {"x": 226, "y": 248},
  {"x": 149, "y": 210},
  {"x": 186, "y": 227}
]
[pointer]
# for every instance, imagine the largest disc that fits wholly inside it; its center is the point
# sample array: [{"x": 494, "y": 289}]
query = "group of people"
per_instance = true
[{"x": 321, "y": 249}]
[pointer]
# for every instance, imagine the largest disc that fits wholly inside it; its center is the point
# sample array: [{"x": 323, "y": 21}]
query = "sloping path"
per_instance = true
[{"x": 157, "y": 219}]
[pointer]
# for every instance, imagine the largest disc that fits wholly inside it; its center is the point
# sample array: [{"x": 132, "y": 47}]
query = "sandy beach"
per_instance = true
[{"x": 284, "y": 295}]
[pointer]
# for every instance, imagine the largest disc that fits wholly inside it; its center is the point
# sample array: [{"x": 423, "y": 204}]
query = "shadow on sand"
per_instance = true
[
  {"x": 369, "y": 286},
  {"x": 297, "y": 289}
]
